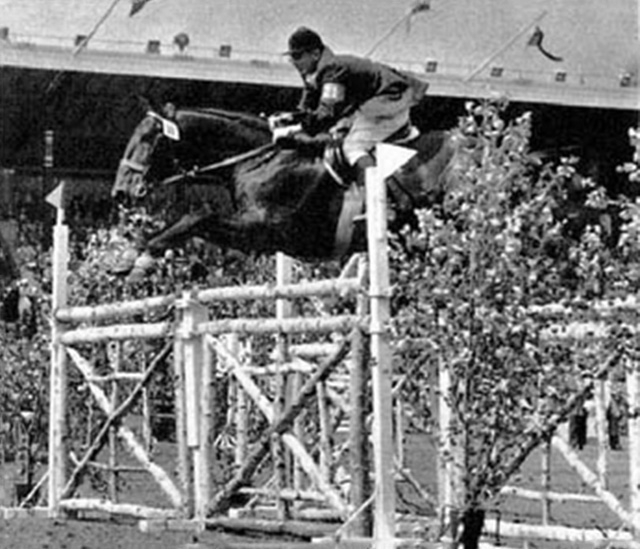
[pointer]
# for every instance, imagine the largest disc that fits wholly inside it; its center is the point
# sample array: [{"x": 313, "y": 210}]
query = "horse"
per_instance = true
[{"x": 262, "y": 197}]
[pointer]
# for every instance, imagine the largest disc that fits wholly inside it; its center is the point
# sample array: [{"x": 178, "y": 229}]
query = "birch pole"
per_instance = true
[
  {"x": 58, "y": 374},
  {"x": 360, "y": 488},
  {"x": 284, "y": 271},
  {"x": 196, "y": 401}
]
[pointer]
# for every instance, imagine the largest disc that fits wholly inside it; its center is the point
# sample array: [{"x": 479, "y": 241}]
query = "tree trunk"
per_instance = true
[{"x": 472, "y": 522}]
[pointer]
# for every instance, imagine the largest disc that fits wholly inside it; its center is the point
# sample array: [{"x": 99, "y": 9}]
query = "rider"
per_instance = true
[{"x": 372, "y": 98}]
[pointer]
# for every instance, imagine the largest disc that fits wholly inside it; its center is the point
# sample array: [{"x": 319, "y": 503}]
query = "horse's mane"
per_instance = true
[{"x": 248, "y": 120}]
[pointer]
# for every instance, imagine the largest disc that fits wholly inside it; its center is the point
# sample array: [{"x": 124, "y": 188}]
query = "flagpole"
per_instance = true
[
  {"x": 504, "y": 46},
  {"x": 95, "y": 29},
  {"x": 416, "y": 8},
  {"x": 53, "y": 84}
]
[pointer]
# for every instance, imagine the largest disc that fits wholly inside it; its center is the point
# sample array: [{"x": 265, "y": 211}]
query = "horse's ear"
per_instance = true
[
  {"x": 144, "y": 103},
  {"x": 169, "y": 111}
]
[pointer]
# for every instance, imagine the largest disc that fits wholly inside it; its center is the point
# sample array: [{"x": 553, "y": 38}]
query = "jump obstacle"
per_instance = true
[{"x": 200, "y": 346}]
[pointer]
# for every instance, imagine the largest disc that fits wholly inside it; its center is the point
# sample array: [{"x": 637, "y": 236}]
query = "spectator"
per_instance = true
[
  {"x": 615, "y": 415},
  {"x": 10, "y": 304},
  {"x": 578, "y": 428}
]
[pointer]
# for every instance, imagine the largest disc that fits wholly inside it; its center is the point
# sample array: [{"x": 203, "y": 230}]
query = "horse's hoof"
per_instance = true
[
  {"x": 120, "y": 262},
  {"x": 143, "y": 262}
]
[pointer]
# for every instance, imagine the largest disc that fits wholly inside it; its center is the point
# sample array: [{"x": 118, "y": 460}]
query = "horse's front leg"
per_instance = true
[
  {"x": 176, "y": 234},
  {"x": 136, "y": 261}
]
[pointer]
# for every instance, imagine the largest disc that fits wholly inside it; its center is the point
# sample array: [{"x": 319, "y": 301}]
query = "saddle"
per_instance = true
[{"x": 337, "y": 164}]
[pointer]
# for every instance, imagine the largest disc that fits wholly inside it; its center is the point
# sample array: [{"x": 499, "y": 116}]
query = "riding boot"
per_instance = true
[{"x": 361, "y": 166}]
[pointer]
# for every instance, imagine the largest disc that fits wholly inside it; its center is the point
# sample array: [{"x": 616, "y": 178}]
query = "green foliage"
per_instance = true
[{"x": 465, "y": 280}]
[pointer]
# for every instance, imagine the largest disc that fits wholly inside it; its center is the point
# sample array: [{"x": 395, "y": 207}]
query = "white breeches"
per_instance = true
[{"x": 373, "y": 122}]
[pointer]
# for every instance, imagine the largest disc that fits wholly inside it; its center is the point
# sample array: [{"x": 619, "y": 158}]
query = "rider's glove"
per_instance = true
[
  {"x": 281, "y": 119},
  {"x": 285, "y": 132}
]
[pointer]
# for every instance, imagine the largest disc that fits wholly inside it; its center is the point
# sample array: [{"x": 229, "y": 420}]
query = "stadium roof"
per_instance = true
[{"x": 565, "y": 52}]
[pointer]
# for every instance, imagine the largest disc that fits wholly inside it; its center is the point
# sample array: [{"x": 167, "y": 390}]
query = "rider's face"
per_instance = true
[{"x": 305, "y": 62}]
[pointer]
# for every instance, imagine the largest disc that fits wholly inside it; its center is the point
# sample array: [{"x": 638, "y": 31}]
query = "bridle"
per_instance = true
[
  {"x": 135, "y": 166},
  {"x": 141, "y": 169}
]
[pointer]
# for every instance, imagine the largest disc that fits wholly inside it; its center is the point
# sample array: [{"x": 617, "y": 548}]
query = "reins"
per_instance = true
[{"x": 231, "y": 161}]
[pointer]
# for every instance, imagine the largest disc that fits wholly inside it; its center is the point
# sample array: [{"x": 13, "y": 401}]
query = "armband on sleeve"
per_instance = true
[{"x": 332, "y": 93}]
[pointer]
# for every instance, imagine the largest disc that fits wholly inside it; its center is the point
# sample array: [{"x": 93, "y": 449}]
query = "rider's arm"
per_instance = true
[{"x": 332, "y": 101}]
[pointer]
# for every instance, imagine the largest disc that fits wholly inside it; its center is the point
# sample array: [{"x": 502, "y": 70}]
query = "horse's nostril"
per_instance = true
[{"x": 140, "y": 191}]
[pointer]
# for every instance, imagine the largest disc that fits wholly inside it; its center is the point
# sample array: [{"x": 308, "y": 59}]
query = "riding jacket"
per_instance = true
[{"x": 344, "y": 83}]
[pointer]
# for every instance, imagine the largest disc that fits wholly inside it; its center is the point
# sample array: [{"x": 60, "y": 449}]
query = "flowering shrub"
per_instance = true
[{"x": 464, "y": 283}]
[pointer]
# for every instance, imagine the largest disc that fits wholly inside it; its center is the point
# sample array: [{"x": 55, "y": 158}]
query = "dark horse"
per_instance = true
[{"x": 254, "y": 196}]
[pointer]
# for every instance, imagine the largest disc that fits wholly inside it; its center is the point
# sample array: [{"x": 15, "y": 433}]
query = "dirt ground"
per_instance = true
[
  {"x": 79, "y": 534},
  {"x": 42, "y": 533}
]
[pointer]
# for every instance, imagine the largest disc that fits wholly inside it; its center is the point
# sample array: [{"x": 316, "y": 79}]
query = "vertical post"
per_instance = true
[
  {"x": 147, "y": 435},
  {"x": 633, "y": 392},
  {"x": 208, "y": 418},
  {"x": 283, "y": 310},
  {"x": 58, "y": 374},
  {"x": 399, "y": 431},
  {"x": 385, "y": 497},
  {"x": 179, "y": 399},
  {"x": 193, "y": 313},
  {"x": 242, "y": 406},
  {"x": 324, "y": 420},
  {"x": 389, "y": 158},
  {"x": 599, "y": 389},
  {"x": 116, "y": 355},
  {"x": 358, "y": 439},
  {"x": 546, "y": 482}
]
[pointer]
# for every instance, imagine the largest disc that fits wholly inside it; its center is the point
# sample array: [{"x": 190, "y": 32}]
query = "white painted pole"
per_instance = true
[
  {"x": 193, "y": 313},
  {"x": 58, "y": 374},
  {"x": 385, "y": 497},
  {"x": 389, "y": 158},
  {"x": 633, "y": 392},
  {"x": 283, "y": 460}
]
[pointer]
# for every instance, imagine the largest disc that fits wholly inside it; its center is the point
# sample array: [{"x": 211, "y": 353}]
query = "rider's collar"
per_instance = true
[{"x": 326, "y": 57}]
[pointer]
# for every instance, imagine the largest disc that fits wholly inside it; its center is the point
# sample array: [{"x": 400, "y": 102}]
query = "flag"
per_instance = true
[
  {"x": 136, "y": 6},
  {"x": 536, "y": 40},
  {"x": 56, "y": 197}
]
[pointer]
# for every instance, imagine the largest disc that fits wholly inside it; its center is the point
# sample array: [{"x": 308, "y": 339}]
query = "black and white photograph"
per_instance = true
[{"x": 352, "y": 274}]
